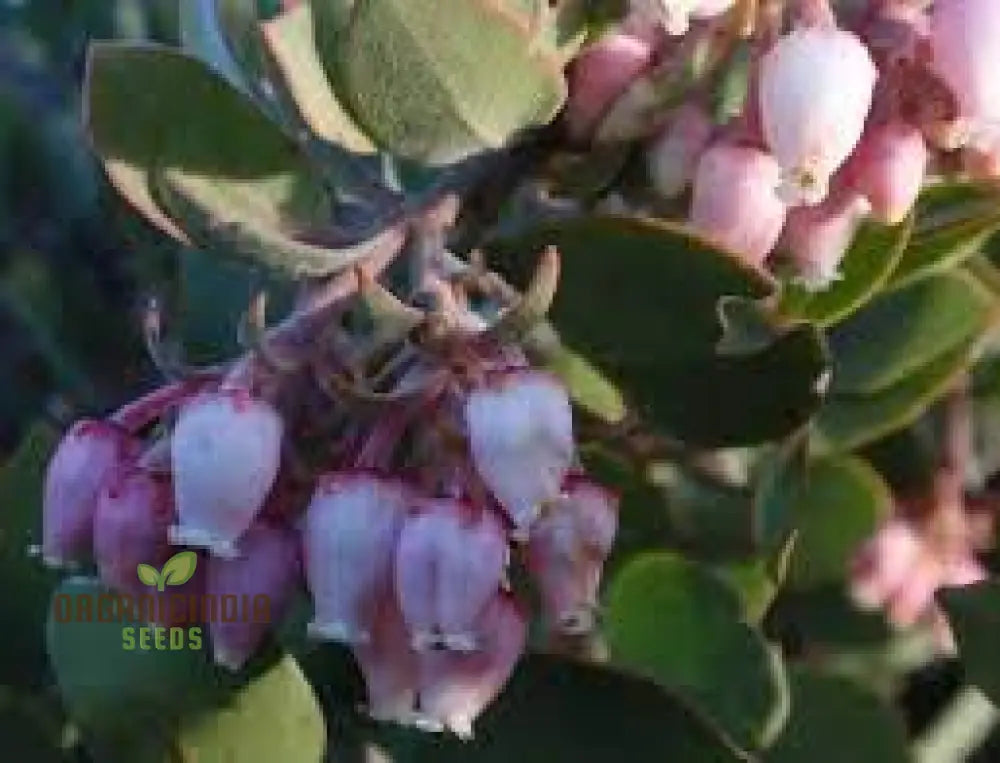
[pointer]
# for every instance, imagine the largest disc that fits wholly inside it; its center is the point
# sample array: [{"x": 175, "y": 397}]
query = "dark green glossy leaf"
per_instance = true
[
  {"x": 676, "y": 623},
  {"x": 836, "y": 721},
  {"x": 556, "y": 710},
  {"x": 847, "y": 422},
  {"x": 652, "y": 327},
  {"x": 841, "y": 503},
  {"x": 874, "y": 254},
  {"x": 974, "y": 615},
  {"x": 953, "y": 223},
  {"x": 905, "y": 330}
]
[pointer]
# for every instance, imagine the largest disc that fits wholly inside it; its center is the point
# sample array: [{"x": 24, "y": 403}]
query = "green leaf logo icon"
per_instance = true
[{"x": 178, "y": 570}]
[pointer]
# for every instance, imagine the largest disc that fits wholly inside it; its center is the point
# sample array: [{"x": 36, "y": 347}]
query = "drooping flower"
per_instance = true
[
  {"x": 817, "y": 238},
  {"x": 673, "y": 155},
  {"x": 566, "y": 552},
  {"x": 450, "y": 562},
  {"x": 815, "y": 90},
  {"x": 735, "y": 203},
  {"x": 456, "y": 687},
  {"x": 520, "y": 428},
  {"x": 390, "y": 665},
  {"x": 266, "y": 573},
  {"x": 965, "y": 43},
  {"x": 87, "y": 456},
  {"x": 134, "y": 511},
  {"x": 225, "y": 453},
  {"x": 349, "y": 539},
  {"x": 888, "y": 169}
]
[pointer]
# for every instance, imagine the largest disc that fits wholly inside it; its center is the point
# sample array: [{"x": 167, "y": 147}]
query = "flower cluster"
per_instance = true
[
  {"x": 846, "y": 112},
  {"x": 399, "y": 499}
]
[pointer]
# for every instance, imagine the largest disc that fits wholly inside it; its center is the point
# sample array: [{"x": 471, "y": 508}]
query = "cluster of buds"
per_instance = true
[
  {"x": 848, "y": 108},
  {"x": 395, "y": 470}
]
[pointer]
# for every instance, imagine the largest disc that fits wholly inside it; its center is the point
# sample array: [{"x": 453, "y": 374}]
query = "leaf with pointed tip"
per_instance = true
[
  {"x": 676, "y": 623},
  {"x": 871, "y": 259},
  {"x": 903, "y": 331},
  {"x": 291, "y": 43},
  {"x": 639, "y": 298},
  {"x": 274, "y": 718},
  {"x": 148, "y": 575},
  {"x": 953, "y": 223},
  {"x": 179, "y": 568},
  {"x": 438, "y": 81},
  {"x": 846, "y": 422},
  {"x": 223, "y": 172}
]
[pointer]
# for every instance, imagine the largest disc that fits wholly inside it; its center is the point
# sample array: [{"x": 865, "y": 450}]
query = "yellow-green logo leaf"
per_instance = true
[
  {"x": 148, "y": 575},
  {"x": 178, "y": 570}
]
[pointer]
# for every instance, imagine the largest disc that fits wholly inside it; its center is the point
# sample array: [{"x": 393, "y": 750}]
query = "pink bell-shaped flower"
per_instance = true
[
  {"x": 735, "y": 204},
  {"x": 88, "y": 455},
  {"x": 965, "y": 43},
  {"x": 455, "y": 687},
  {"x": 815, "y": 90},
  {"x": 263, "y": 580},
  {"x": 601, "y": 73},
  {"x": 389, "y": 665},
  {"x": 450, "y": 562},
  {"x": 888, "y": 169},
  {"x": 349, "y": 539},
  {"x": 817, "y": 238},
  {"x": 225, "y": 450},
  {"x": 673, "y": 156},
  {"x": 566, "y": 552},
  {"x": 134, "y": 511},
  {"x": 520, "y": 428}
]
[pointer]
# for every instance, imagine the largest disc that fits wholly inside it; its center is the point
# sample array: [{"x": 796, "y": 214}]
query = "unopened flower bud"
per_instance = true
[
  {"x": 225, "y": 450},
  {"x": 735, "y": 204},
  {"x": 566, "y": 552},
  {"x": 389, "y": 665},
  {"x": 520, "y": 428},
  {"x": 80, "y": 467},
  {"x": 817, "y": 238},
  {"x": 673, "y": 156},
  {"x": 349, "y": 537},
  {"x": 888, "y": 169},
  {"x": 601, "y": 73},
  {"x": 965, "y": 42},
  {"x": 449, "y": 564},
  {"x": 455, "y": 687},
  {"x": 265, "y": 575},
  {"x": 816, "y": 87}
]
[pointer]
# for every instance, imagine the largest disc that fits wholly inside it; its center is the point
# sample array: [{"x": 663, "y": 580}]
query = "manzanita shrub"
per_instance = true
[{"x": 629, "y": 388}]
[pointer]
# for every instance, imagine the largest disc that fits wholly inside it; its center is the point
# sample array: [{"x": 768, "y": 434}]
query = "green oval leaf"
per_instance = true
[
  {"x": 274, "y": 718},
  {"x": 974, "y": 615},
  {"x": 438, "y": 81},
  {"x": 179, "y": 568},
  {"x": 905, "y": 330},
  {"x": 675, "y": 623},
  {"x": 652, "y": 328},
  {"x": 954, "y": 221},
  {"x": 218, "y": 172},
  {"x": 847, "y": 422},
  {"x": 834, "y": 720}
]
